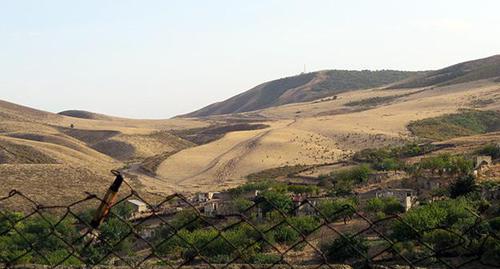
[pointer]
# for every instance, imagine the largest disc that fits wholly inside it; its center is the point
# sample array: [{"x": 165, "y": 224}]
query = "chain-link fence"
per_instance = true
[{"x": 250, "y": 232}]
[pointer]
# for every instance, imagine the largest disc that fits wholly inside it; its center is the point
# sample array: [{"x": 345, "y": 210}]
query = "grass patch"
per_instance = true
[
  {"x": 274, "y": 173},
  {"x": 379, "y": 100},
  {"x": 205, "y": 135},
  {"x": 373, "y": 101},
  {"x": 467, "y": 122}
]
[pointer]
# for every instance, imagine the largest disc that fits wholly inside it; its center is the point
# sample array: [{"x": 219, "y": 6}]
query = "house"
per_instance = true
[
  {"x": 138, "y": 207},
  {"x": 431, "y": 182},
  {"x": 211, "y": 208},
  {"x": 483, "y": 160},
  {"x": 406, "y": 197}
]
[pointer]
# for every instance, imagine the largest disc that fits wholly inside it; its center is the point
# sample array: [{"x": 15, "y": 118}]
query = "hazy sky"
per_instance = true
[{"x": 157, "y": 59}]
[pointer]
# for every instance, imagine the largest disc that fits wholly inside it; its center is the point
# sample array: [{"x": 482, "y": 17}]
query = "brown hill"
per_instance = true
[
  {"x": 301, "y": 88},
  {"x": 459, "y": 73},
  {"x": 82, "y": 114},
  {"x": 42, "y": 156}
]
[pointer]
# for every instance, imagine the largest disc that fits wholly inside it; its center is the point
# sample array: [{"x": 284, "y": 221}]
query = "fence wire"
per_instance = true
[{"x": 180, "y": 232}]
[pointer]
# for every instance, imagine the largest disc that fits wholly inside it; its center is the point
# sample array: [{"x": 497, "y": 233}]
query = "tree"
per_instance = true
[
  {"x": 345, "y": 248},
  {"x": 463, "y": 186},
  {"x": 490, "y": 150},
  {"x": 337, "y": 209},
  {"x": 271, "y": 200},
  {"x": 454, "y": 214}
]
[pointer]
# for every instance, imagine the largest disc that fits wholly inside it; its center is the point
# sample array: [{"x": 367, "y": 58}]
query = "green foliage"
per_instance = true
[
  {"x": 389, "y": 206},
  {"x": 338, "y": 209},
  {"x": 241, "y": 204},
  {"x": 343, "y": 249},
  {"x": 463, "y": 186},
  {"x": 303, "y": 189},
  {"x": 343, "y": 181},
  {"x": 357, "y": 174},
  {"x": 263, "y": 258},
  {"x": 188, "y": 219},
  {"x": 377, "y": 155},
  {"x": 114, "y": 236},
  {"x": 492, "y": 150},
  {"x": 341, "y": 80},
  {"x": 286, "y": 234},
  {"x": 448, "y": 213},
  {"x": 452, "y": 164},
  {"x": 274, "y": 173},
  {"x": 36, "y": 231},
  {"x": 468, "y": 122},
  {"x": 388, "y": 164},
  {"x": 216, "y": 248},
  {"x": 276, "y": 200},
  {"x": 495, "y": 224}
]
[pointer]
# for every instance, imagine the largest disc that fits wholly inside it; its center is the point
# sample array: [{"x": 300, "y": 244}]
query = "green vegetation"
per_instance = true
[
  {"x": 342, "y": 181},
  {"x": 492, "y": 150},
  {"x": 345, "y": 248},
  {"x": 467, "y": 122},
  {"x": 341, "y": 80},
  {"x": 337, "y": 209},
  {"x": 383, "y": 206},
  {"x": 274, "y": 173},
  {"x": 463, "y": 186},
  {"x": 44, "y": 233},
  {"x": 445, "y": 226},
  {"x": 377, "y": 100},
  {"x": 459, "y": 73},
  {"x": 389, "y": 158},
  {"x": 311, "y": 86},
  {"x": 446, "y": 163},
  {"x": 262, "y": 185}
]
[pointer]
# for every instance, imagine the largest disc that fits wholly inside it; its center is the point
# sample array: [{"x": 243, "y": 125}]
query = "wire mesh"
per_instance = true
[{"x": 181, "y": 232}]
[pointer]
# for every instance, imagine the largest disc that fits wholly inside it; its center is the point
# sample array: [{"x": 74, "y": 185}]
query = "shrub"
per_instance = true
[
  {"x": 453, "y": 213},
  {"x": 467, "y": 122},
  {"x": 463, "y": 186},
  {"x": 491, "y": 150},
  {"x": 273, "y": 200},
  {"x": 358, "y": 174},
  {"x": 337, "y": 209},
  {"x": 343, "y": 249},
  {"x": 263, "y": 258}
]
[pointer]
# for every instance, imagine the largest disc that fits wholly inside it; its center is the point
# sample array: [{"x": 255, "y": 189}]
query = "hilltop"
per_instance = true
[
  {"x": 301, "y": 88},
  {"x": 485, "y": 68},
  {"x": 55, "y": 155},
  {"x": 49, "y": 155}
]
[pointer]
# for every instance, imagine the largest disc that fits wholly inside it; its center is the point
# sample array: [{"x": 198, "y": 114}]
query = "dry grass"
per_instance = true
[{"x": 78, "y": 159}]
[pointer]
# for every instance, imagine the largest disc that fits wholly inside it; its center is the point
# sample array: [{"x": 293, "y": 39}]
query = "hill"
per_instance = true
[
  {"x": 52, "y": 155},
  {"x": 459, "y": 73},
  {"x": 56, "y": 158},
  {"x": 301, "y": 88},
  {"x": 84, "y": 115}
]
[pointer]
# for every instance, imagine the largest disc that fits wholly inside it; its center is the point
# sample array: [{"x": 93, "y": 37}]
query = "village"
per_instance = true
[{"x": 306, "y": 190}]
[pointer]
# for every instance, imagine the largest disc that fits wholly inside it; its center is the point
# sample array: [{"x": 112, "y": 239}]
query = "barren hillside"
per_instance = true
[
  {"x": 218, "y": 152},
  {"x": 42, "y": 155},
  {"x": 301, "y": 88}
]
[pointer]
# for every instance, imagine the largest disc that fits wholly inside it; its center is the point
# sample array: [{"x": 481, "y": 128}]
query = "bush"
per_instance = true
[
  {"x": 452, "y": 164},
  {"x": 40, "y": 233},
  {"x": 389, "y": 206},
  {"x": 463, "y": 186},
  {"x": 263, "y": 258},
  {"x": 337, "y": 209},
  {"x": 275, "y": 200},
  {"x": 343, "y": 249},
  {"x": 452, "y": 213},
  {"x": 490, "y": 150},
  {"x": 467, "y": 122}
]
